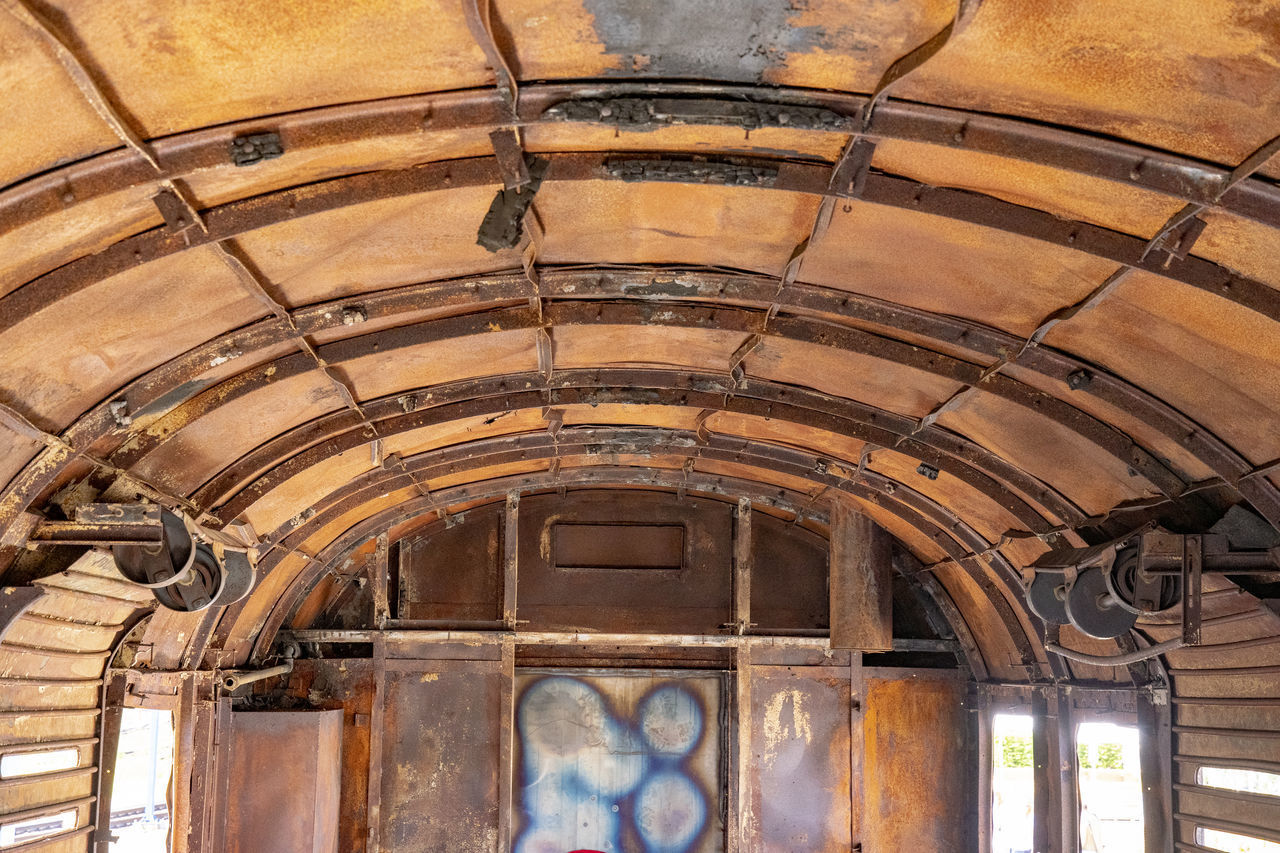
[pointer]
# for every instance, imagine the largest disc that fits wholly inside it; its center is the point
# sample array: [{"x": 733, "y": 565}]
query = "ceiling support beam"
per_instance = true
[
  {"x": 161, "y": 382},
  {"x": 232, "y": 219},
  {"x": 861, "y": 586},
  {"x": 1071, "y": 150}
]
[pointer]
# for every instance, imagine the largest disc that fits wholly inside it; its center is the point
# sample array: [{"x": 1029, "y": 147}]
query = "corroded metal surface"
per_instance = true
[
  {"x": 439, "y": 787},
  {"x": 293, "y": 802},
  {"x": 799, "y": 763},
  {"x": 917, "y": 758},
  {"x": 1002, "y": 278}
]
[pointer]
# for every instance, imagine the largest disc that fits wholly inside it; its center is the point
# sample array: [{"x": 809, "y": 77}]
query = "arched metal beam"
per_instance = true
[
  {"x": 947, "y": 530},
  {"x": 231, "y": 492},
  {"x": 1071, "y": 150},
  {"x": 229, "y": 220},
  {"x": 160, "y": 386},
  {"x": 558, "y": 314}
]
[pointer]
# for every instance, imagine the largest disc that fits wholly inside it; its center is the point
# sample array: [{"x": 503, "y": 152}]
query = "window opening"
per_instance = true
[
  {"x": 1110, "y": 788},
  {"x": 1012, "y": 784},
  {"x": 1230, "y": 842},
  {"x": 35, "y": 828},
  {"x": 1234, "y": 779},
  {"x": 41, "y": 761},
  {"x": 139, "y": 794}
]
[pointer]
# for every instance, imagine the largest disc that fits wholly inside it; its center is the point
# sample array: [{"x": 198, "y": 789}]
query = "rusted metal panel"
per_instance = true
[
  {"x": 554, "y": 598},
  {"x": 861, "y": 582},
  {"x": 788, "y": 586},
  {"x": 627, "y": 761},
  {"x": 348, "y": 685},
  {"x": 798, "y": 770},
  {"x": 440, "y": 766},
  {"x": 284, "y": 782},
  {"x": 455, "y": 574},
  {"x": 918, "y": 773}
]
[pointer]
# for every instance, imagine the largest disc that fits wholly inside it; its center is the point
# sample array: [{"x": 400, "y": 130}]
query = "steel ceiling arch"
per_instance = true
[
  {"x": 778, "y": 498},
  {"x": 233, "y": 219},
  {"x": 411, "y": 471},
  {"x": 984, "y": 472},
  {"x": 941, "y": 525},
  {"x": 165, "y": 379},
  {"x": 1070, "y": 149},
  {"x": 563, "y": 313},
  {"x": 947, "y": 530}
]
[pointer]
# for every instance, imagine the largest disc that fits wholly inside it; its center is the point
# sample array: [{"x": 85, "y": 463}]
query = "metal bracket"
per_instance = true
[
  {"x": 1192, "y": 569},
  {"x": 104, "y": 524}
]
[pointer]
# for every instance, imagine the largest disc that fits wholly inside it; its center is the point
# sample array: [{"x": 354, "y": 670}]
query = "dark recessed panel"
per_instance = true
[
  {"x": 626, "y": 547},
  {"x": 624, "y": 561},
  {"x": 789, "y": 584},
  {"x": 454, "y": 573}
]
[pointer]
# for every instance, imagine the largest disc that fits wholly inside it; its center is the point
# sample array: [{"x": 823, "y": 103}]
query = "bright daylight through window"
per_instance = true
[
  {"x": 1110, "y": 788},
  {"x": 1230, "y": 842},
  {"x": 139, "y": 796},
  {"x": 1012, "y": 787}
]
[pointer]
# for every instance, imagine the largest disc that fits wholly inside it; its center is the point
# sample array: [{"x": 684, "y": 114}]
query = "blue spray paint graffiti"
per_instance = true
[{"x": 593, "y": 779}]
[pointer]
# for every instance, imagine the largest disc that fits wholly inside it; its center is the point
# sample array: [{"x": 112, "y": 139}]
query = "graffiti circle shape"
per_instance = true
[
  {"x": 670, "y": 812},
  {"x": 564, "y": 717},
  {"x": 671, "y": 720}
]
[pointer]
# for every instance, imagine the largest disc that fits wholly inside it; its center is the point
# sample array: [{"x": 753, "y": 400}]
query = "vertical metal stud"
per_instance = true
[
  {"x": 742, "y": 568},
  {"x": 510, "y": 560}
]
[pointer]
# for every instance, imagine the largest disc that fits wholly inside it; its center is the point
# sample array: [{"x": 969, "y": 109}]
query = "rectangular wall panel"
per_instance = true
[
  {"x": 441, "y": 744},
  {"x": 625, "y": 761},
  {"x": 798, "y": 772},
  {"x": 918, "y": 767},
  {"x": 284, "y": 779}
]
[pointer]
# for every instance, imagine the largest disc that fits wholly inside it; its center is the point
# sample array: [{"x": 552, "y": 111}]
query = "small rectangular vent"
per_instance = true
[{"x": 645, "y": 547}]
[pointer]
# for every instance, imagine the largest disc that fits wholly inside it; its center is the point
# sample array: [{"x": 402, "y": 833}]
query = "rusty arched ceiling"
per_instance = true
[{"x": 778, "y": 250}]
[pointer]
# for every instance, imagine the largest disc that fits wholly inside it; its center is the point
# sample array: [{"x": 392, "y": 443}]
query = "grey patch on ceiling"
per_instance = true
[{"x": 723, "y": 39}]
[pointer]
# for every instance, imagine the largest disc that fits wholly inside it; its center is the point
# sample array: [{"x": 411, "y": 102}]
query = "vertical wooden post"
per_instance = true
[
  {"x": 184, "y": 724},
  {"x": 1047, "y": 831},
  {"x": 986, "y": 769},
  {"x": 506, "y": 747},
  {"x": 742, "y": 568},
  {"x": 113, "y": 690},
  {"x": 857, "y": 750},
  {"x": 1068, "y": 781},
  {"x": 510, "y": 560},
  {"x": 742, "y": 834},
  {"x": 861, "y": 582},
  {"x": 376, "y": 721},
  {"x": 217, "y": 799},
  {"x": 1155, "y": 745},
  {"x": 380, "y": 577}
]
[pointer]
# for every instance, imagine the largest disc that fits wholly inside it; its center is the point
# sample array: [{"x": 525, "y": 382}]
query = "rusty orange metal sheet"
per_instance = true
[
  {"x": 441, "y": 744},
  {"x": 284, "y": 782},
  {"x": 799, "y": 765},
  {"x": 918, "y": 778}
]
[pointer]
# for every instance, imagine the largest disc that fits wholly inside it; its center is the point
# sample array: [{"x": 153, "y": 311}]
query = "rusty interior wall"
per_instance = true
[
  {"x": 441, "y": 741},
  {"x": 453, "y": 575},
  {"x": 346, "y": 685},
  {"x": 284, "y": 780},
  {"x": 798, "y": 768},
  {"x": 665, "y": 747},
  {"x": 920, "y": 762}
]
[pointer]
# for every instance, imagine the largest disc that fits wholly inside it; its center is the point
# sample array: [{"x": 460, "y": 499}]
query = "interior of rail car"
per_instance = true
[{"x": 606, "y": 426}]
